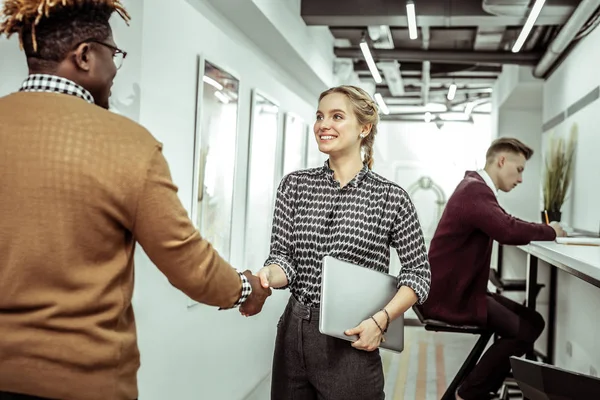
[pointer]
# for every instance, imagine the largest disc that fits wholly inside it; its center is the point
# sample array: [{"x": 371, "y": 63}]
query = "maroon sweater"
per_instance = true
[{"x": 461, "y": 250}]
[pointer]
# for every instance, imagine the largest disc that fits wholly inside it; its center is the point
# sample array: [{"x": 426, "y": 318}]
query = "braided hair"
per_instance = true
[{"x": 366, "y": 112}]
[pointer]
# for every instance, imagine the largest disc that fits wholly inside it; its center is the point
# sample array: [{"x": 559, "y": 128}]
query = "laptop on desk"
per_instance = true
[
  {"x": 539, "y": 381},
  {"x": 350, "y": 294},
  {"x": 583, "y": 233}
]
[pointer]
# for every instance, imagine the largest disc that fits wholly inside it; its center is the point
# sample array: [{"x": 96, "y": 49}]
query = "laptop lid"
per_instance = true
[
  {"x": 350, "y": 294},
  {"x": 539, "y": 381}
]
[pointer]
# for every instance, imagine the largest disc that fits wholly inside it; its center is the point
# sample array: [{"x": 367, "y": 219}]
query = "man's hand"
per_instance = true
[
  {"x": 558, "y": 229},
  {"x": 254, "y": 303}
]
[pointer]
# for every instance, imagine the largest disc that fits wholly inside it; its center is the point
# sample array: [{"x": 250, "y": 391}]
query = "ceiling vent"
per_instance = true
[
  {"x": 391, "y": 73},
  {"x": 381, "y": 36}
]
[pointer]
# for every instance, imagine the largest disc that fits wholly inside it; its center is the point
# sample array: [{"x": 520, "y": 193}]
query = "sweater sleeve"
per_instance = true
[
  {"x": 283, "y": 229},
  {"x": 190, "y": 263},
  {"x": 407, "y": 239},
  {"x": 484, "y": 213}
]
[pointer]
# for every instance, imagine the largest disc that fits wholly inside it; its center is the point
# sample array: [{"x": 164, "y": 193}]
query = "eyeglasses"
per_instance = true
[{"x": 118, "y": 54}]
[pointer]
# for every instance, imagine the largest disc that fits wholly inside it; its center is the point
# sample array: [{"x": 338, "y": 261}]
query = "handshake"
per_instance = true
[{"x": 260, "y": 291}]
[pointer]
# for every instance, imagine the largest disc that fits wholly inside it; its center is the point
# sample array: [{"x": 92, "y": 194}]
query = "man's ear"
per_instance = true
[
  {"x": 82, "y": 56},
  {"x": 501, "y": 160}
]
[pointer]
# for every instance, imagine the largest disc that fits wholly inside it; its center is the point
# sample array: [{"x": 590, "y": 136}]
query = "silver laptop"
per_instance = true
[{"x": 350, "y": 294}]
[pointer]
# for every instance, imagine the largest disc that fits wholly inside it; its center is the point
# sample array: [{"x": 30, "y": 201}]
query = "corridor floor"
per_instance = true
[{"x": 421, "y": 372}]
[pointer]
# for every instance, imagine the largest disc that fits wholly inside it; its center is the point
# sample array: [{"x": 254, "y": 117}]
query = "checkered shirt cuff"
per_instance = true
[{"x": 246, "y": 290}]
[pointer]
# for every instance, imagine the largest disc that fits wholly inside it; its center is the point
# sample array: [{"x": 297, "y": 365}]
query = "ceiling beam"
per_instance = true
[
  {"x": 431, "y": 13},
  {"x": 445, "y": 56},
  {"x": 437, "y": 68}
]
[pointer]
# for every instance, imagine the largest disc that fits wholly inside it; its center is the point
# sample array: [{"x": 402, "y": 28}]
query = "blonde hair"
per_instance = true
[
  {"x": 20, "y": 16},
  {"x": 510, "y": 145},
  {"x": 366, "y": 112}
]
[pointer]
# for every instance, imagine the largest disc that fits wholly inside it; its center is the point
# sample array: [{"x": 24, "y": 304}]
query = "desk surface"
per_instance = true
[{"x": 581, "y": 261}]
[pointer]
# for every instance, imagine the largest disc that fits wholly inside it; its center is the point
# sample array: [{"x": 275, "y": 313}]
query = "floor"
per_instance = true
[{"x": 421, "y": 372}]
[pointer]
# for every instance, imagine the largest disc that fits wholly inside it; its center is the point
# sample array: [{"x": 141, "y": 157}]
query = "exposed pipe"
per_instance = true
[
  {"x": 580, "y": 16},
  {"x": 426, "y": 70},
  {"x": 446, "y": 56}
]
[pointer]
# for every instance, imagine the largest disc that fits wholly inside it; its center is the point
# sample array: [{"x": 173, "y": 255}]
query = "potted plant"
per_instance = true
[{"x": 558, "y": 173}]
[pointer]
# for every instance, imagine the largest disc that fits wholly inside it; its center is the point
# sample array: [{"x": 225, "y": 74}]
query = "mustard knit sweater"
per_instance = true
[{"x": 80, "y": 186}]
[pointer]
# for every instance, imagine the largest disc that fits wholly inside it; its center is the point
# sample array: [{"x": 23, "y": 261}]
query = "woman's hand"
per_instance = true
[
  {"x": 369, "y": 334},
  {"x": 264, "y": 274}
]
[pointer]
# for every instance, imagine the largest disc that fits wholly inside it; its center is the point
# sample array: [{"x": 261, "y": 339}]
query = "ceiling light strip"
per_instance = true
[
  {"x": 370, "y": 62},
  {"x": 533, "y": 16},
  {"x": 382, "y": 106},
  {"x": 411, "y": 15},
  {"x": 451, "y": 91}
]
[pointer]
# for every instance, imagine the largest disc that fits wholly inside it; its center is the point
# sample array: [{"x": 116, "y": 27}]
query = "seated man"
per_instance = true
[{"x": 460, "y": 255}]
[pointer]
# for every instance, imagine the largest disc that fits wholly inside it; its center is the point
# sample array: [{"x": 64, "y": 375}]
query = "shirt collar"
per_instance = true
[
  {"x": 488, "y": 180},
  {"x": 55, "y": 84},
  {"x": 355, "y": 181}
]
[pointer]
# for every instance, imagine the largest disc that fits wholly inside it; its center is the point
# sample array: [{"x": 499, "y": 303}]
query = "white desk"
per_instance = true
[{"x": 580, "y": 261}]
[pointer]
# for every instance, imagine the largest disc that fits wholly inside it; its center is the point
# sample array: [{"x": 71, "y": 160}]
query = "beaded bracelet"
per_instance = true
[
  {"x": 387, "y": 325},
  {"x": 382, "y": 331}
]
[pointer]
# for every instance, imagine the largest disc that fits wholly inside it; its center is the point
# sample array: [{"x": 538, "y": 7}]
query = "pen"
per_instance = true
[{"x": 546, "y": 215}]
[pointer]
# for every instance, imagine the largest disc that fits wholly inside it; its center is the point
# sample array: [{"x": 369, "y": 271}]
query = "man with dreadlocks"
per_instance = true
[{"x": 80, "y": 186}]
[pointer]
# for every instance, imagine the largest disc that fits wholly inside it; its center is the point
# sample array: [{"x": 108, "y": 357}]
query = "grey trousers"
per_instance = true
[{"x": 308, "y": 365}]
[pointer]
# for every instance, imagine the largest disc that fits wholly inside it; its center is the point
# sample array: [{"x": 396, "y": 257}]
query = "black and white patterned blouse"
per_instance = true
[{"x": 358, "y": 223}]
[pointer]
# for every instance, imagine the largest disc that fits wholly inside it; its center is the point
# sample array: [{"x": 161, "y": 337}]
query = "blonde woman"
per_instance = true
[{"x": 344, "y": 210}]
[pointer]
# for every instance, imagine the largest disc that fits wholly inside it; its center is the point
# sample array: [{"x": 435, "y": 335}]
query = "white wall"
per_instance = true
[
  {"x": 197, "y": 352},
  {"x": 406, "y": 151},
  {"x": 306, "y": 52},
  {"x": 524, "y": 122},
  {"x": 578, "y": 301}
]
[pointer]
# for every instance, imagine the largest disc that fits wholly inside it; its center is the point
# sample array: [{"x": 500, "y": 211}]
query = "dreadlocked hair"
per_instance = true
[{"x": 49, "y": 29}]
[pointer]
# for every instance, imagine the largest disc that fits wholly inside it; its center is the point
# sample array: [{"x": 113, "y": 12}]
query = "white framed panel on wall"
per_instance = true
[
  {"x": 262, "y": 178},
  {"x": 215, "y": 144},
  {"x": 295, "y": 141}
]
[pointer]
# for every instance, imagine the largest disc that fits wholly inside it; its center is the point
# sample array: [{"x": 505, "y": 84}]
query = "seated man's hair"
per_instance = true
[
  {"x": 49, "y": 29},
  {"x": 510, "y": 145}
]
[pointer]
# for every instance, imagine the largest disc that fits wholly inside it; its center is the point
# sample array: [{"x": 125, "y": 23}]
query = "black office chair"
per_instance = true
[{"x": 472, "y": 358}]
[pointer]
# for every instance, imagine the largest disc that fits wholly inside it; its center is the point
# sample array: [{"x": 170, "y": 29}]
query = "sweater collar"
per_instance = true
[{"x": 55, "y": 84}]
